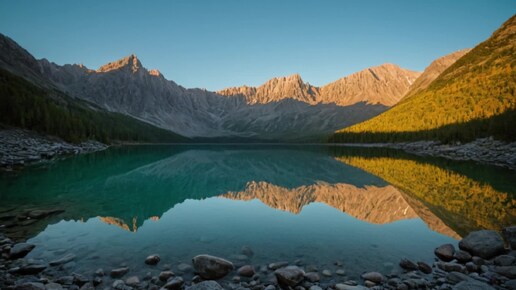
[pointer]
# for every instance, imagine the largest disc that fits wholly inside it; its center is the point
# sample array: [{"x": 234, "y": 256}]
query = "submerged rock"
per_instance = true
[
  {"x": 408, "y": 264},
  {"x": 445, "y": 252},
  {"x": 485, "y": 244},
  {"x": 63, "y": 260},
  {"x": 152, "y": 260},
  {"x": 246, "y": 271},
  {"x": 119, "y": 272},
  {"x": 206, "y": 285},
  {"x": 174, "y": 284},
  {"x": 277, "y": 265},
  {"x": 20, "y": 250},
  {"x": 373, "y": 277},
  {"x": 165, "y": 275},
  {"x": 211, "y": 267},
  {"x": 289, "y": 276}
]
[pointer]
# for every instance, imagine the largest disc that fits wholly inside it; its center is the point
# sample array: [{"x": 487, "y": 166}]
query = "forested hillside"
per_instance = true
[
  {"x": 22, "y": 104},
  {"x": 475, "y": 97}
]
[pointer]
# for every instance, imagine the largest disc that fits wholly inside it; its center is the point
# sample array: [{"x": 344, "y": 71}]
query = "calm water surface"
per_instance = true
[{"x": 364, "y": 207}]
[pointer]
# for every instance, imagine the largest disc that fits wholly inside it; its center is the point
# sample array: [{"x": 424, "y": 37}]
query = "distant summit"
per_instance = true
[
  {"x": 385, "y": 85},
  {"x": 131, "y": 63}
]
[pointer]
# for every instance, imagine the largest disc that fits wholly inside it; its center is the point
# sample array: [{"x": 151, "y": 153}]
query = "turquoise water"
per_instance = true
[{"x": 317, "y": 204}]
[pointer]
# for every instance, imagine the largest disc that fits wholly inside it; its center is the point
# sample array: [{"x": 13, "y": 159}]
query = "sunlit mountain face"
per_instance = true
[{"x": 316, "y": 203}]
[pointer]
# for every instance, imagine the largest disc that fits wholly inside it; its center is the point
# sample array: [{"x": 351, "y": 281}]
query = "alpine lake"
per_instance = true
[{"x": 329, "y": 207}]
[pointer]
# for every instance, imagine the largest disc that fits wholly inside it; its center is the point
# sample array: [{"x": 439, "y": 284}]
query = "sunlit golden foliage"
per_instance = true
[
  {"x": 479, "y": 86},
  {"x": 462, "y": 203}
]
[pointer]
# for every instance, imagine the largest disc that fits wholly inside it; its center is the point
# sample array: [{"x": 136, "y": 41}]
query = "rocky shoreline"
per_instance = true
[
  {"x": 484, "y": 260},
  {"x": 485, "y": 150},
  {"x": 19, "y": 148}
]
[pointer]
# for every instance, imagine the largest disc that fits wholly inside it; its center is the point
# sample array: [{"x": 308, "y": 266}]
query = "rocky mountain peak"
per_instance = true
[
  {"x": 131, "y": 63},
  {"x": 155, "y": 72}
]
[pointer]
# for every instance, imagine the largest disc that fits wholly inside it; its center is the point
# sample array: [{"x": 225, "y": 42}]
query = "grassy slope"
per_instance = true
[
  {"x": 474, "y": 97},
  {"x": 22, "y": 104}
]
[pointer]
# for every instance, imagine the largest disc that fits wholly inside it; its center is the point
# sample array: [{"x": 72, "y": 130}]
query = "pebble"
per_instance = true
[{"x": 326, "y": 273}]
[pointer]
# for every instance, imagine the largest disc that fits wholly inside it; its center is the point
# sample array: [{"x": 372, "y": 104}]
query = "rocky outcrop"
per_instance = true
[{"x": 22, "y": 147}]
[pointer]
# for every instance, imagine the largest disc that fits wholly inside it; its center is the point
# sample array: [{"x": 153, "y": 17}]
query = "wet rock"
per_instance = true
[
  {"x": 445, "y": 252},
  {"x": 211, "y": 267},
  {"x": 246, "y": 271},
  {"x": 152, "y": 260},
  {"x": 408, "y": 265},
  {"x": 472, "y": 285},
  {"x": 31, "y": 269},
  {"x": 289, "y": 276},
  {"x": 485, "y": 244},
  {"x": 315, "y": 287},
  {"x": 277, "y": 265},
  {"x": 196, "y": 279},
  {"x": 247, "y": 251},
  {"x": 165, "y": 275},
  {"x": 507, "y": 271},
  {"x": 451, "y": 267},
  {"x": 206, "y": 285},
  {"x": 119, "y": 272},
  {"x": 53, "y": 286},
  {"x": 462, "y": 256},
  {"x": 174, "y": 284},
  {"x": 118, "y": 285},
  {"x": 63, "y": 260},
  {"x": 374, "y": 277},
  {"x": 342, "y": 286},
  {"x": 39, "y": 214},
  {"x": 312, "y": 277},
  {"x": 184, "y": 267},
  {"x": 20, "y": 250},
  {"x": 132, "y": 281},
  {"x": 312, "y": 268},
  {"x": 471, "y": 267},
  {"x": 79, "y": 279},
  {"x": 504, "y": 260},
  {"x": 340, "y": 272},
  {"x": 97, "y": 281},
  {"x": 30, "y": 286},
  {"x": 326, "y": 273},
  {"x": 478, "y": 261},
  {"x": 99, "y": 272},
  {"x": 511, "y": 284},
  {"x": 87, "y": 286},
  {"x": 456, "y": 277},
  {"x": 509, "y": 235},
  {"x": 424, "y": 267},
  {"x": 65, "y": 280}
]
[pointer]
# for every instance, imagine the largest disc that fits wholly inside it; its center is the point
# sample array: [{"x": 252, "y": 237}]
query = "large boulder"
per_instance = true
[
  {"x": 206, "y": 285},
  {"x": 289, "y": 276},
  {"x": 485, "y": 244},
  {"x": 211, "y": 267}
]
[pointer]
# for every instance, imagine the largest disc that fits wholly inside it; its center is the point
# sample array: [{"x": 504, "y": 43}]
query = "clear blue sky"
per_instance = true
[{"x": 215, "y": 44}]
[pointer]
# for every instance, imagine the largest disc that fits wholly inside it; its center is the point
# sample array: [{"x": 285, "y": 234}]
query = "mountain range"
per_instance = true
[
  {"x": 284, "y": 108},
  {"x": 473, "y": 97}
]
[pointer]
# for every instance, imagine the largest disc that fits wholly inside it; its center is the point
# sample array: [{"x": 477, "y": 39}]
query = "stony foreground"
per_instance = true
[
  {"x": 484, "y": 260},
  {"x": 21, "y": 147},
  {"x": 485, "y": 150}
]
